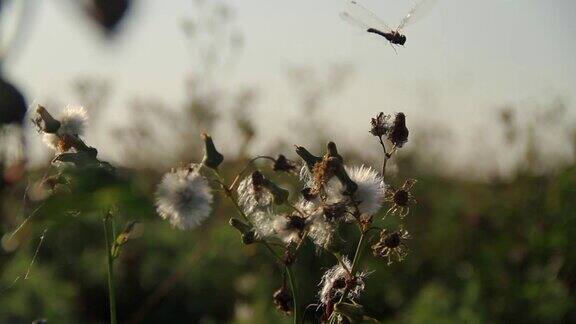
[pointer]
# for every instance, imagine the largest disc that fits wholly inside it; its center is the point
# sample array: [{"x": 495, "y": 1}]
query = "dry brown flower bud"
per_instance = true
[
  {"x": 380, "y": 125},
  {"x": 212, "y": 158},
  {"x": 283, "y": 164},
  {"x": 44, "y": 121},
  {"x": 399, "y": 133},
  {"x": 308, "y": 157},
  {"x": 283, "y": 300}
]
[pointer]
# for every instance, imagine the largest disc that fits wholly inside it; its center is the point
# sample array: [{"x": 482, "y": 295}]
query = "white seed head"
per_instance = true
[
  {"x": 320, "y": 230},
  {"x": 371, "y": 188},
  {"x": 251, "y": 199},
  {"x": 285, "y": 232},
  {"x": 333, "y": 280},
  {"x": 73, "y": 121},
  {"x": 263, "y": 222},
  {"x": 183, "y": 197}
]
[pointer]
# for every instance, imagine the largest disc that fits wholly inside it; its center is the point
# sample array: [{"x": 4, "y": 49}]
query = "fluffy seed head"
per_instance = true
[
  {"x": 263, "y": 222},
  {"x": 370, "y": 192},
  {"x": 183, "y": 197},
  {"x": 73, "y": 121},
  {"x": 252, "y": 196},
  {"x": 289, "y": 228},
  {"x": 336, "y": 279}
]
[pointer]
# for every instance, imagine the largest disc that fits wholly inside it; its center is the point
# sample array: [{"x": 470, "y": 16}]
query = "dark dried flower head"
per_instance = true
[
  {"x": 44, "y": 121},
  {"x": 391, "y": 244},
  {"x": 398, "y": 135},
  {"x": 400, "y": 198},
  {"x": 283, "y": 300},
  {"x": 296, "y": 222},
  {"x": 260, "y": 182},
  {"x": 335, "y": 211},
  {"x": 308, "y": 194},
  {"x": 283, "y": 164},
  {"x": 290, "y": 228},
  {"x": 393, "y": 240},
  {"x": 380, "y": 125}
]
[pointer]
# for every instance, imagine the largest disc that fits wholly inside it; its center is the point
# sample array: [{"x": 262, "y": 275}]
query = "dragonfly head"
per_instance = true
[{"x": 401, "y": 40}]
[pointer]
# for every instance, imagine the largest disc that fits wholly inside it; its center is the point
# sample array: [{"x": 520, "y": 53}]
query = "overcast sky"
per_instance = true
[{"x": 462, "y": 60}]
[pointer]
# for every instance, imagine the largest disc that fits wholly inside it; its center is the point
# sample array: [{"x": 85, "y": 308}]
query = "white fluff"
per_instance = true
[
  {"x": 371, "y": 189},
  {"x": 183, "y": 197},
  {"x": 73, "y": 121},
  {"x": 338, "y": 274}
]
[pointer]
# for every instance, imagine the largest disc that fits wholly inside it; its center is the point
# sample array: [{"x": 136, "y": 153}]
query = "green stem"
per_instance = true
[
  {"x": 355, "y": 262},
  {"x": 292, "y": 281},
  {"x": 110, "y": 260},
  {"x": 358, "y": 253}
]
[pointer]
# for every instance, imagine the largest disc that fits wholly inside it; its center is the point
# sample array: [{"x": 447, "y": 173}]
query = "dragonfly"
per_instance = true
[{"x": 357, "y": 14}]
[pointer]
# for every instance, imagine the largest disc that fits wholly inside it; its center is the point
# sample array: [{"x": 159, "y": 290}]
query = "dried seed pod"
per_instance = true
[
  {"x": 44, "y": 121},
  {"x": 283, "y": 300},
  {"x": 283, "y": 164},
  {"x": 212, "y": 158},
  {"x": 309, "y": 158},
  {"x": 332, "y": 151},
  {"x": 399, "y": 133}
]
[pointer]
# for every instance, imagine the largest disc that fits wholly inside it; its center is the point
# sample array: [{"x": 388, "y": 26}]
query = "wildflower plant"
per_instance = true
[
  {"x": 72, "y": 157},
  {"x": 332, "y": 194}
]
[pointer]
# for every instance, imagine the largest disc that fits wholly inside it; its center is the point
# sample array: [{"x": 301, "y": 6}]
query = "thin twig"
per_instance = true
[{"x": 35, "y": 253}]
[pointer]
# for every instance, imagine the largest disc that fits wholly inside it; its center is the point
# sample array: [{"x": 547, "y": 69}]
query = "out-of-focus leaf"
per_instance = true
[
  {"x": 108, "y": 13},
  {"x": 12, "y": 104}
]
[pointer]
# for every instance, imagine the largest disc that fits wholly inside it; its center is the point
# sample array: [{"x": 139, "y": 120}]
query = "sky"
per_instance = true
[{"x": 462, "y": 61}]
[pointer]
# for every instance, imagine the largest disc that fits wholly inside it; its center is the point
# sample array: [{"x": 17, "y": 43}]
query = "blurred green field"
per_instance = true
[{"x": 482, "y": 251}]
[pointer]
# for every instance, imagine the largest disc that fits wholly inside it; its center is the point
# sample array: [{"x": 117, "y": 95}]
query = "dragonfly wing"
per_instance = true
[
  {"x": 360, "y": 16},
  {"x": 419, "y": 10}
]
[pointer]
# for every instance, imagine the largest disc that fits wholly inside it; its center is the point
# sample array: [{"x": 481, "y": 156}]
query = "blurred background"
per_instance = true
[{"x": 487, "y": 87}]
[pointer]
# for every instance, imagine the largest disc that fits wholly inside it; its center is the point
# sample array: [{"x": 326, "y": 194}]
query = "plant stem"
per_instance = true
[
  {"x": 385, "y": 156},
  {"x": 292, "y": 281},
  {"x": 291, "y": 278},
  {"x": 358, "y": 252},
  {"x": 110, "y": 261},
  {"x": 355, "y": 263}
]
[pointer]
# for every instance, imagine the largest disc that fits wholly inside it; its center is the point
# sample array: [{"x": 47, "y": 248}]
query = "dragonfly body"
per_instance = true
[
  {"x": 356, "y": 14},
  {"x": 393, "y": 37}
]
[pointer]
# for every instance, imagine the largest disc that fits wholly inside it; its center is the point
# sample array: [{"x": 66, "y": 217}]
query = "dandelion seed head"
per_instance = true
[{"x": 183, "y": 197}]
